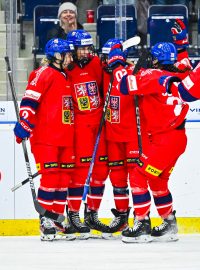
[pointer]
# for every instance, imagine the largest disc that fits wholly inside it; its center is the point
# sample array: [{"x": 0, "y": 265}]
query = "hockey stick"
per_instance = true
[
  {"x": 140, "y": 63},
  {"x": 137, "y": 113},
  {"x": 38, "y": 207},
  {"x": 23, "y": 182},
  {"x": 131, "y": 42},
  {"x": 87, "y": 182}
]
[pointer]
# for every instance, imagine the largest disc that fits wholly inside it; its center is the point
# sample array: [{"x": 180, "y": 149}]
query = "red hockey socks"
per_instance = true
[
  {"x": 163, "y": 204},
  {"x": 94, "y": 197},
  {"x": 74, "y": 198},
  {"x": 121, "y": 198},
  {"x": 142, "y": 203}
]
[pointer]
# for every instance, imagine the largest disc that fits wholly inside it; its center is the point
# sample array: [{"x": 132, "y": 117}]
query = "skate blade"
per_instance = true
[
  {"x": 95, "y": 236},
  {"x": 47, "y": 237},
  {"x": 139, "y": 239},
  {"x": 165, "y": 238},
  {"x": 65, "y": 237},
  {"x": 110, "y": 236},
  {"x": 104, "y": 236},
  {"x": 83, "y": 236}
]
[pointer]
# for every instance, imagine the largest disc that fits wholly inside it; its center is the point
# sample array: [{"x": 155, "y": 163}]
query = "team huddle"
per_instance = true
[{"x": 142, "y": 137}]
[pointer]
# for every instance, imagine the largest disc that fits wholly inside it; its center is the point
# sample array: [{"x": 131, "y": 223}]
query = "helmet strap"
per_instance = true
[{"x": 58, "y": 60}]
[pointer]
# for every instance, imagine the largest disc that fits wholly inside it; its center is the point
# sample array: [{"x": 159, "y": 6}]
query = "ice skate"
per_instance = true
[
  {"x": 167, "y": 231},
  {"x": 92, "y": 221},
  {"x": 80, "y": 227},
  {"x": 47, "y": 229},
  {"x": 140, "y": 233},
  {"x": 120, "y": 221},
  {"x": 65, "y": 231}
]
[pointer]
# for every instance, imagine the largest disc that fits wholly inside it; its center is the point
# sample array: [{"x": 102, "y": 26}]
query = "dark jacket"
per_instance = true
[{"x": 58, "y": 32}]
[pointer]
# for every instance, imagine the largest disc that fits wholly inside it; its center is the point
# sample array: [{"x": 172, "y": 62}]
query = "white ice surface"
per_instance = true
[{"x": 29, "y": 253}]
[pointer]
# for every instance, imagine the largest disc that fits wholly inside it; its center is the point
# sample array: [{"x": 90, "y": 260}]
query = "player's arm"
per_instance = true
[
  {"x": 143, "y": 83},
  {"x": 180, "y": 40},
  {"x": 185, "y": 88},
  {"x": 28, "y": 107}
]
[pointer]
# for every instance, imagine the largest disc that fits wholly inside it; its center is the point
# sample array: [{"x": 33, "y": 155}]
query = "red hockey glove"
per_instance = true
[{"x": 179, "y": 34}]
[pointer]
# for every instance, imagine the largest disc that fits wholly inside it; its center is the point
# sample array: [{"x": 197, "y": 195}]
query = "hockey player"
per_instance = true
[
  {"x": 85, "y": 73},
  {"x": 122, "y": 146},
  {"x": 164, "y": 117},
  {"x": 47, "y": 117}
]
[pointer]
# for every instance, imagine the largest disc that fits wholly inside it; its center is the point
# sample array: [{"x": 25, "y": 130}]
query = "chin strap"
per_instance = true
[
  {"x": 60, "y": 62},
  {"x": 83, "y": 62}
]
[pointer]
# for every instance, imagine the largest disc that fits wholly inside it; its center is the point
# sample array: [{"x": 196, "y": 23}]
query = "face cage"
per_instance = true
[
  {"x": 84, "y": 60},
  {"x": 91, "y": 51},
  {"x": 159, "y": 65}
]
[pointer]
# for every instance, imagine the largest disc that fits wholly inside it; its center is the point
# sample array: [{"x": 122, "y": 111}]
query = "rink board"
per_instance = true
[{"x": 31, "y": 227}]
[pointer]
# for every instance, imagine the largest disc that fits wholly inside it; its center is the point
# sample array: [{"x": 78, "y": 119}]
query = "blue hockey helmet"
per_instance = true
[
  {"x": 110, "y": 43},
  {"x": 56, "y": 45},
  {"x": 164, "y": 52},
  {"x": 79, "y": 38}
]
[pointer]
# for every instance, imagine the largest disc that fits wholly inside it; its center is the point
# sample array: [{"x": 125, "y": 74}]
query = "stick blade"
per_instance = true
[
  {"x": 55, "y": 216},
  {"x": 131, "y": 42}
]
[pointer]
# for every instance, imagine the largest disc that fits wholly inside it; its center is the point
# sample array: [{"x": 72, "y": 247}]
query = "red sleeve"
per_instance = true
[
  {"x": 146, "y": 82},
  {"x": 183, "y": 60},
  {"x": 37, "y": 85}
]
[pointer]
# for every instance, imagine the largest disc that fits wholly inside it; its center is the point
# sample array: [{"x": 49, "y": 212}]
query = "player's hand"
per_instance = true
[
  {"x": 116, "y": 56},
  {"x": 23, "y": 130},
  {"x": 167, "y": 81},
  {"x": 179, "y": 34}
]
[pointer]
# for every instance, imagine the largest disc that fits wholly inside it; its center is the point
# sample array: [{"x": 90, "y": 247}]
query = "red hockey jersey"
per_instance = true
[
  {"x": 161, "y": 111},
  {"x": 120, "y": 115},
  {"x": 87, "y": 87},
  {"x": 47, "y": 103}
]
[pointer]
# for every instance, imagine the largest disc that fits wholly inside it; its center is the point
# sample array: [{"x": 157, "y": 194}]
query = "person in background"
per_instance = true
[
  {"x": 142, "y": 17},
  {"x": 67, "y": 15},
  {"x": 85, "y": 73},
  {"x": 47, "y": 117}
]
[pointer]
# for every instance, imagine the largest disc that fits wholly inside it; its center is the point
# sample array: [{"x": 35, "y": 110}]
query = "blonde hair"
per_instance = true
[
  {"x": 44, "y": 61},
  {"x": 130, "y": 62}
]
